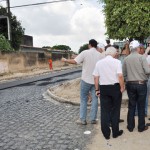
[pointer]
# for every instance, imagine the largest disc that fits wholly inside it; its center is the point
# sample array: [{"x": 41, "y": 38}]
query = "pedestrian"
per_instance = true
[
  {"x": 88, "y": 58},
  {"x": 101, "y": 47},
  {"x": 147, "y": 52},
  {"x": 108, "y": 73},
  {"x": 50, "y": 64},
  {"x": 135, "y": 70},
  {"x": 124, "y": 52},
  {"x": 108, "y": 44},
  {"x": 117, "y": 56},
  {"x": 142, "y": 52}
]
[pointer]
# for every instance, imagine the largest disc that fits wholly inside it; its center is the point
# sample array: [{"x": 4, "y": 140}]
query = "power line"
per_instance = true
[
  {"x": 2, "y": 1},
  {"x": 40, "y": 3}
]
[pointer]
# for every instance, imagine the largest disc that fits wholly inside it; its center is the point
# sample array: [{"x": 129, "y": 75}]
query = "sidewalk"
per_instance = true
[{"x": 128, "y": 141}]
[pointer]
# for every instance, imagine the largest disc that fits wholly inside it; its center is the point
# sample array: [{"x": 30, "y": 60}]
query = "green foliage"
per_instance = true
[
  {"x": 61, "y": 47},
  {"x": 82, "y": 48},
  {"x": 127, "y": 19},
  {"x": 4, "y": 44},
  {"x": 17, "y": 31},
  {"x": 46, "y": 47}
]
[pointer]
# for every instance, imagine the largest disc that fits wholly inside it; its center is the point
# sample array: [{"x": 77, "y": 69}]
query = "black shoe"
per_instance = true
[
  {"x": 146, "y": 128},
  {"x": 119, "y": 134},
  {"x": 107, "y": 138},
  {"x": 130, "y": 130},
  {"x": 148, "y": 124},
  {"x": 121, "y": 120}
]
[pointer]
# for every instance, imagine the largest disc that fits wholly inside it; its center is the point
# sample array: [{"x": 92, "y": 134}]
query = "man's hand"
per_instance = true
[
  {"x": 97, "y": 93},
  {"x": 122, "y": 89},
  {"x": 63, "y": 59},
  {"x": 147, "y": 50}
]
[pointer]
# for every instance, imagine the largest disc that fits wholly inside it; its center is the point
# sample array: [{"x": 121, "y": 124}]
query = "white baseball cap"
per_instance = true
[
  {"x": 134, "y": 44},
  {"x": 101, "y": 45}
]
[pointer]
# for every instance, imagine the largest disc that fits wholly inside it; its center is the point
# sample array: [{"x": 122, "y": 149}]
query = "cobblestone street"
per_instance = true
[{"x": 28, "y": 121}]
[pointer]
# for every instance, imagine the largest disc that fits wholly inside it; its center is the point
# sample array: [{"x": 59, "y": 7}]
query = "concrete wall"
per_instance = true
[{"x": 17, "y": 62}]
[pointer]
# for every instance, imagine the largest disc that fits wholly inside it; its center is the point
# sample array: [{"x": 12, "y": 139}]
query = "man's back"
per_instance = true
[
  {"x": 89, "y": 58},
  {"x": 108, "y": 70},
  {"x": 135, "y": 67}
]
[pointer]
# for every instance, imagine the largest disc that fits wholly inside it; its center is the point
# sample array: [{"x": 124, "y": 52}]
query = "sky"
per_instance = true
[{"x": 71, "y": 23}]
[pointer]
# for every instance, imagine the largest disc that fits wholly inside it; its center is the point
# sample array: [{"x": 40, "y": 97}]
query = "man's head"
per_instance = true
[
  {"x": 108, "y": 41},
  {"x": 101, "y": 47},
  {"x": 134, "y": 46},
  {"x": 92, "y": 43},
  {"x": 142, "y": 49},
  {"x": 111, "y": 51},
  {"x": 117, "y": 49}
]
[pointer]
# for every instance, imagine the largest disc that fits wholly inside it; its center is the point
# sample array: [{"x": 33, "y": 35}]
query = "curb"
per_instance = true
[
  {"x": 67, "y": 101},
  {"x": 60, "y": 99}
]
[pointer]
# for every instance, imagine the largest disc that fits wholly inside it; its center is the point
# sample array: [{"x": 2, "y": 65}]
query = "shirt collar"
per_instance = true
[{"x": 109, "y": 56}]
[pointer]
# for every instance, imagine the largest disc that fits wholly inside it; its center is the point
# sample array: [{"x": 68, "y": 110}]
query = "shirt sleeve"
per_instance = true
[
  {"x": 119, "y": 67},
  {"x": 145, "y": 66},
  {"x": 95, "y": 72},
  {"x": 80, "y": 58},
  {"x": 124, "y": 70},
  {"x": 148, "y": 59}
]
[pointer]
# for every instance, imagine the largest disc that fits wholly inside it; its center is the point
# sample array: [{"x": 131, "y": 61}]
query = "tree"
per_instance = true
[
  {"x": 17, "y": 31},
  {"x": 4, "y": 44},
  {"x": 82, "y": 48},
  {"x": 48, "y": 47},
  {"x": 127, "y": 19},
  {"x": 61, "y": 47}
]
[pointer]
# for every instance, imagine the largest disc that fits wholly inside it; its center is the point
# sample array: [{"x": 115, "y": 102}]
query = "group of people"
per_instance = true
[{"x": 104, "y": 76}]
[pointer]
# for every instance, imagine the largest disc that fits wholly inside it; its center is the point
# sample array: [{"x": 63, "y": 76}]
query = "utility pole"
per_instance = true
[{"x": 9, "y": 22}]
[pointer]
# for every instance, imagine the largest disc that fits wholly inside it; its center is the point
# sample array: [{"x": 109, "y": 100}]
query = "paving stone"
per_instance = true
[{"x": 38, "y": 124}]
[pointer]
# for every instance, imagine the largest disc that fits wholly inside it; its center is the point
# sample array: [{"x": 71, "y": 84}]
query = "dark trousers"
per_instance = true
[
  {"x": 137, "y": 96},
  {"x": 110, "y": 97}
]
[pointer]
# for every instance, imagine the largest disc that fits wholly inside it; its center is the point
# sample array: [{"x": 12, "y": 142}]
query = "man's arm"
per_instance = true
[
  {"x": 145, "y": 66},
  {"x": 96, "y": 82},
  {"x": 124, "y": 69},
  {"x": 121, "y": 82},
  {"x": 70, "y": 61}
]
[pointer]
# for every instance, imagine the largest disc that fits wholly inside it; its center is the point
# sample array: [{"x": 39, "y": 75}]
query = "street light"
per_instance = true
[{"x": 8, "y": 24}]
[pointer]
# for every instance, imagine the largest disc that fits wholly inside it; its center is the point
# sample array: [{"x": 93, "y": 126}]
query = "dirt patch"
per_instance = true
[{"x": 68, "y": 90}]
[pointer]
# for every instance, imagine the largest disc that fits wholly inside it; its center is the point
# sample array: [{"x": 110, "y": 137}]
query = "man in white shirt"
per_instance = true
[
  {"x": 108, "y": 73},
  {"x": 89, "y": 58}
]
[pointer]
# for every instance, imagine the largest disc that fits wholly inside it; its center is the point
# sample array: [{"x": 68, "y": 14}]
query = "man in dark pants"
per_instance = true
[
  {"x": 108, "y": 72},
  {"x": 135, "y": 70}
]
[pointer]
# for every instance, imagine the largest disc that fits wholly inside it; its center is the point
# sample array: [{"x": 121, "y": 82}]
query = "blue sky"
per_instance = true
[{"x": 72, "y": 23}]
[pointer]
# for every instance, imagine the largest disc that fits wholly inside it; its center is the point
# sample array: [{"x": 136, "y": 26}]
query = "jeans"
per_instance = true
[
  {"x": 110, "y": 98},
  {"x": 147, "y": 97},
  {"x": 85, "y": 88},
  {"x": 137, "y": 96}
]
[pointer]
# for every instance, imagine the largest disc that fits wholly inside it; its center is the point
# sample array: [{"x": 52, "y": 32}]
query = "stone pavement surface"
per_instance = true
[{"x": 29, "y": 121}]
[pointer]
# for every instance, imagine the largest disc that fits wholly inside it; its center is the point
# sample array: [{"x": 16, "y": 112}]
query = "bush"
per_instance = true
[{"x": 4, "y": 44}]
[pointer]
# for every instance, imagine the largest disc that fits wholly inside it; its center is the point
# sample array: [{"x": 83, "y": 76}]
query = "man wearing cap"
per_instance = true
[
  {"x": 101, "y": 47},
  {"x": 135, "y": 70},
  {"x": 89, "y": 58}
]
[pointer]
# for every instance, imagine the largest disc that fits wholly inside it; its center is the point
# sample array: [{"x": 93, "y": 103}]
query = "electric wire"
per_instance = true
[{"x": 34, "y": 4}]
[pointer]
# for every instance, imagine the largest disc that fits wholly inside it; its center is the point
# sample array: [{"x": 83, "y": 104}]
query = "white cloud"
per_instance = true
[{"x": 70, "y": 23}]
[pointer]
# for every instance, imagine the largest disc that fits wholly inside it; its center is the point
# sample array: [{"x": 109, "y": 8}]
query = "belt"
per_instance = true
[{"x": 137, "y": 82}]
